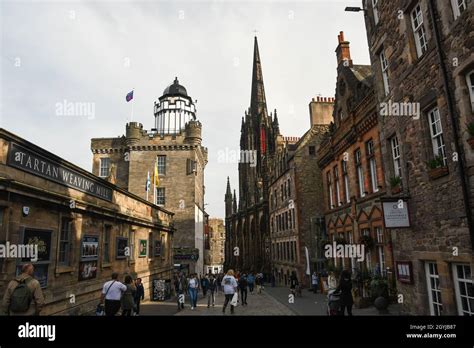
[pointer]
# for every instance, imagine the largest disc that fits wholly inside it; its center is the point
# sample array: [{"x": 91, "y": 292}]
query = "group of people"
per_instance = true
[
  {"x": 124, "y": 296},
  {"x": 211, "y": 284}
]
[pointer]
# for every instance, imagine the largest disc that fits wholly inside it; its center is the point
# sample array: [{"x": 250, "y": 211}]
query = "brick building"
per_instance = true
[
  {"x": 423, "y": 63},
  {"x": 174, "y": 146},
  {"x": 214, "y": 248},
  {"x": 350, "y": 158},
  {"x": 296, "y": 209},
  {"x": 82, "y": 226}
]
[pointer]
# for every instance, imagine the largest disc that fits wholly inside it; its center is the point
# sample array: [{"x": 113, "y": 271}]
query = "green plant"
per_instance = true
[
  {"x": 340, "y": 240},
  {"x": 470, "y": 128},
  {"x": 395, "y": 181},
  {"x": 379, "y": 287},
  {"x": 368, "y": 241},
  {"x": 436, "y": 162}
]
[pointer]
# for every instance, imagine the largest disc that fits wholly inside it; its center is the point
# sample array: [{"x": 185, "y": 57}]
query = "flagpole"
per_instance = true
[
  {"x": 147, "y": 185},
  {"x": 154, "y": 182},
  {"x": 131, "y": 116}
]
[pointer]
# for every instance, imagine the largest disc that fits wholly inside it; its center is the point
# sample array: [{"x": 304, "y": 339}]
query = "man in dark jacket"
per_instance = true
[
  {"x": 211, "y": 290},
  {"x": 345, "y": 287},
  {"x": 180, "y": 289},
  {"x": 243, "y": 288},
  {"x": 204, "y": 285},
  {"x": 139, "y": 294}
]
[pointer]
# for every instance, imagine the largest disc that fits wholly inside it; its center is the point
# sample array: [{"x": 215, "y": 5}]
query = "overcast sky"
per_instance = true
[{"x": 97, "y": 51}]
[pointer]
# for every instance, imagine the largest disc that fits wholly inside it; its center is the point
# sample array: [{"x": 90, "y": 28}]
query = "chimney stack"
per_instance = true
[{"x": 343, "y": 51}]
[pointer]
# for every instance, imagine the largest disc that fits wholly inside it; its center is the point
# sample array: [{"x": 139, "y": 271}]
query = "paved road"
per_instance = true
[
  {"x": 272, "y": 301},
  {"x": 258, "y": 304},
  {"x": 316, "y": 304}
]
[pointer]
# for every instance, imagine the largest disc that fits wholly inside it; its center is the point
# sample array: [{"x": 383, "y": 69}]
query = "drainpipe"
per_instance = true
[{"x": 449, "y": 100}]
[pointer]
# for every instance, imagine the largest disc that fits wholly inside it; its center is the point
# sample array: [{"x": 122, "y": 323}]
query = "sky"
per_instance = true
[{"x": 95, "y": 52}]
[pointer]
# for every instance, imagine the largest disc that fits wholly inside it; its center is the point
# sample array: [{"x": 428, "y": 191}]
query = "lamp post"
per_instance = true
[{"x": 355, "y": 9}]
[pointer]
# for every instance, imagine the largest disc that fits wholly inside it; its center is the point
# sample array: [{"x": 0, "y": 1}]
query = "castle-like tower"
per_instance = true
[
  {"x": 174, "y": 145},
  {"x": 246, "y": 222}
]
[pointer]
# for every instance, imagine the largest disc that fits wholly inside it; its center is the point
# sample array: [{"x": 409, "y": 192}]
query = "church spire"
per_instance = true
[
  {"x": 258, "y": 104},
  {"x": 227, "y": 191}
]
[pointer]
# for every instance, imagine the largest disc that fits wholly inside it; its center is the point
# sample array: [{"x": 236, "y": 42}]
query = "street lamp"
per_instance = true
[{"x": 354, "y": 9}]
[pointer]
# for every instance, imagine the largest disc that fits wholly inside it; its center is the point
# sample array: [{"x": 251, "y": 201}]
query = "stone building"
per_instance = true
[
  {"x": 214, "y": 246},
  {"x": 82, "y": 226},
  {"x": 350, "y": 158},
  {"x": 174, "y": 146},
  {"x": 247, "y": 225},
  {"x": 423, "y": 63},
  {"x": 296, "y": 207}
]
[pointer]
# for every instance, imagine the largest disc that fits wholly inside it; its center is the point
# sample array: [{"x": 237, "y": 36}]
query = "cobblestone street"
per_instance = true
[
  {"x": 272, "y": 301},
  {"x": 258, "y": 304}
]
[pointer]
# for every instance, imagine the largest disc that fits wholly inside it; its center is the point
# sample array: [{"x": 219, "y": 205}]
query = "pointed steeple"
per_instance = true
[
  {"x": 234, "y": 206},
  {"x": 258, "y": 104},
  {"x": 275, "y": 118},
  {"x": 227, "y": 191}
]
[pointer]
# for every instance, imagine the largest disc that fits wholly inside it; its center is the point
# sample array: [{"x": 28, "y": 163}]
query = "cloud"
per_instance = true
[{"x": 78, "y": 51}]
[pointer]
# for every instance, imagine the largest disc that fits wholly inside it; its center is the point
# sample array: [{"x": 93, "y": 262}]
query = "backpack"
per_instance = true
[{"x": 21, "y": 297}]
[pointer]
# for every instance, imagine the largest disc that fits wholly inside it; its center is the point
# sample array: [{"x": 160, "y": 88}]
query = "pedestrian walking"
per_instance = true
[
  {"x": 139, "y": 295},
  {"x": 205, "y": 285},
  {"x": 180, "y": 289},
  {"x": 230, "y": 287},
  {"x": 259, "y": 283},
  {"x": 243, "y": 289},
  {"x": 219, "y": 281},
  {"x": 294, "y": 283},
  {"x": 332, "y": 281},
  {"x": 345, "y": 287},
  {"x": 193, "y": 288},
  {"x": 111, "y": 294},
  {"x": 128, "y": 296},
  {"x": 211, "y": 291},
  {"x": 23, "y": 295},
  {"x": 273, "y": 280},
  {"x": 315, "y": 282},
  {"x": 251, "y": 281}
]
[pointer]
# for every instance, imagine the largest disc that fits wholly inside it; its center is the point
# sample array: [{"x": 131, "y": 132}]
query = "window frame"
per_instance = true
[
  {"x": 436, "y": 308},
  {"x": 458, "y": 295},
  {"x": 345, "y": 176},
  {"x": 456, "y": 6},
  {"x": 396, "y": 156},
  {"x": 375, "y": 11},
  {"x": 336, "y": 185},
  {"x": 384, "y": 69},
  {"x": 419, "y": 31},
  {"x": 437, "y": 139},
  {"x": 103, "y": 168},
  {"x": 106, "y": 243},
  {"x": 157, "y": 202},
  {"x": 330, "y": 192},
  {"x": 470, "y": 87},
  {"x": 360, "y": 172},
  {"x": 161, "y": 166},
  {"x": 66, "y": 242}
]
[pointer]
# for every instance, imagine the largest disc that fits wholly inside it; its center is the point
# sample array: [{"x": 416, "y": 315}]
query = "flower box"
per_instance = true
[
  {"x": 436, "y": 173},
  {"x": 396, "y": 189}
]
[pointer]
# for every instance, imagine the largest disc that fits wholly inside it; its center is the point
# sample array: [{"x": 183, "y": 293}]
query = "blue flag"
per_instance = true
[{"x": 129, "y": 96}]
